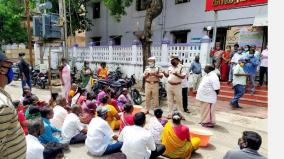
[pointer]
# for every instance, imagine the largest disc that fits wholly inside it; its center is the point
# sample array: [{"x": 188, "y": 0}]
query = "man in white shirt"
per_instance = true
[
  {"x": 59, "y": 112},
  {"x": 73, "y": 130},
  {"x": 100, "y": 136},
  {"x": 34, "y": 147},
  {"x": 207, "y": 96},
  {"x": 184, "y": 86},
  {"x": 239, "y": 83},
  {"x": 235, "y": 60},
  {"x": 138, "y": 142}
]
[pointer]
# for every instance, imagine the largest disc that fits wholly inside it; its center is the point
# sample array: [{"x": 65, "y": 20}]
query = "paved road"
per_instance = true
[{"x": 230, "y": 125}]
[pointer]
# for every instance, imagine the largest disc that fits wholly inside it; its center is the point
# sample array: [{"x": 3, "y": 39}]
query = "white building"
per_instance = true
[{"x": 181, "y": 22}]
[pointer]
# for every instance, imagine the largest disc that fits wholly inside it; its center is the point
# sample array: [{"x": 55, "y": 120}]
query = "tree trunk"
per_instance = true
[{"x": 153, "y": 9}]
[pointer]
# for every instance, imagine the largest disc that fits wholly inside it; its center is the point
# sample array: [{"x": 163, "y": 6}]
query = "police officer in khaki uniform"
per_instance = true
[
  {"x": 175, "y": 74},
  {"x": 152, "y": 75}
]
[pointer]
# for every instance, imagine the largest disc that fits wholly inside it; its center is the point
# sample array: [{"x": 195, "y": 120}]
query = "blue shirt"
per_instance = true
[
  {"x": 195, "y": 67},
  {"x": 251, "y": 66},
  {"x": 47, "y": 136}
]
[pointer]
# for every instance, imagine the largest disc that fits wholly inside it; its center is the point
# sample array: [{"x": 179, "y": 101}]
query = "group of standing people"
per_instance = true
[
  {"x": 86, "y": 76},
  {"x": 240, "y": 68},
  {"x": 225, "y": 60},
  {"x": 207, "y": 88}
]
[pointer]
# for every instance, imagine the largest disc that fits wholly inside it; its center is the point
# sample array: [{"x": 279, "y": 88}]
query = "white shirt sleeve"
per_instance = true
[
  {"x": 79, "y": 125},
  {"x": 183, "y": 70},
  {"x": 108, "y": 131},
  {"x": 215, "y": 82},
  {"x": 151, "y": 143},
  {"x": 120, "y": 138}
]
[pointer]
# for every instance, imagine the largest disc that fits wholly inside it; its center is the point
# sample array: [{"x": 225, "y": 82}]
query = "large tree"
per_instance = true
[
  {"x": 12, "y": 28},
  {"x": 153, "y": 9}
]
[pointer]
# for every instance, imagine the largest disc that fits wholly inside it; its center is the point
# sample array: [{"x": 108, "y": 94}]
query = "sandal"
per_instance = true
[{"x": 187, "y": 111}]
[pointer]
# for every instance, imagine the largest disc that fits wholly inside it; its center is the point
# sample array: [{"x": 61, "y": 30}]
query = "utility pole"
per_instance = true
[
  {"x": 215, "y": 28},
  {"x": 29, "y": 30},
  {"x": 62, "y": 16},
  {"x": 65, "y": 31}
]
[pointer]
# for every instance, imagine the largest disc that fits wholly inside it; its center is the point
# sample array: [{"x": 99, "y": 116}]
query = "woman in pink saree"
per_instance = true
[{"x": 65, "y": 77}]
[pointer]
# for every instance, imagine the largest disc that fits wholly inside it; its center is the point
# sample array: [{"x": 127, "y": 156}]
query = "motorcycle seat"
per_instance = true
[
  {"x": 116, "y": 84},
  {"x": 103, "y": 82}
]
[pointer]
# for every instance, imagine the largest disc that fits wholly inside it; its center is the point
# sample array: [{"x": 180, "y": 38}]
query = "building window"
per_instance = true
[
  {"x": 140, "y": 5},
  {"x": 96, "y": 10},
  {"x": 181, "y": 1},
  {"x": 180, "y": 36},
  {"x": 97, "y": 40},
  {"x": 116, "y": 39}
]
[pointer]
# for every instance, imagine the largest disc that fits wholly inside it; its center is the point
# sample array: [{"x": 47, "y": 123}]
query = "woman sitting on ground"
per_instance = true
[
  {"x": 127, "y": 117},
  {"x": 72, "y": 92},
  {"x": 83, "y": 97},
  {"x": 113, "y": 100},
  {"x": 101, "y": 94},
  {"x": 112, "y": 114},
  {"x": 76, "y": 96},
  {"x": 123, "y": 99},
  {"x": 21, "y": 116},
  {"x": 176, "y": 138},
  {"x": 90, "y": 99},
  {"x": 52, "y": 101},
  {"x": 88, "y": 113}
]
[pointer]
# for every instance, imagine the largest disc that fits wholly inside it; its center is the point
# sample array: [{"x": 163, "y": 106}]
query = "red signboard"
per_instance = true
[{"x": 228, "y": 4}]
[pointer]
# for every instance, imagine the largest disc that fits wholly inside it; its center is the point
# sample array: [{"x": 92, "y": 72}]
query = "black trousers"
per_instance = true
[
  {"x": 263, "y": 71},
  {"x": 160, "y": 149},
  {"x": 185, "y": 99},
  {"x": 78, "y": 139}
]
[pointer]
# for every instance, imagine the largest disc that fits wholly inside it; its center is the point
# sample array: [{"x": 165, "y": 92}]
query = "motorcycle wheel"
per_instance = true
[
  {"x": 42, "y": 85},
  {"x": 34, "y": 82},
  {"x": 136, "y": 96}
]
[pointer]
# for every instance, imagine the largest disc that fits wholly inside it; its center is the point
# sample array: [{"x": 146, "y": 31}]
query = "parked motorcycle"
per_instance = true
[
  {"x": 118, "y": 85},
  {"x": 162, "y": 91},
  {"x": 115, "y": 75},
  {"x": 42, "y": 80},
  {"x": 34, "y": 75},
  {"x": 127, "y": 83}
]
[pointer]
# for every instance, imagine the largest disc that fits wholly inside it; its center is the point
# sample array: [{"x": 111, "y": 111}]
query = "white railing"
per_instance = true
[{"x": 129, "y": 58}]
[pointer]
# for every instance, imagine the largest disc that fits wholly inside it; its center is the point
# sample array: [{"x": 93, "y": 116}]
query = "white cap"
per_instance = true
[{"x": 152, "y": 58}]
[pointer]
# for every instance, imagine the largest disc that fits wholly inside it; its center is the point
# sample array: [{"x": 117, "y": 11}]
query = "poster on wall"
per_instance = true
[{"x": 245, "y": 35}]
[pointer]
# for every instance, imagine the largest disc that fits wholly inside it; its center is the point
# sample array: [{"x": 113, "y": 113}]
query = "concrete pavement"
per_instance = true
[{"x": 230, "y": 124}]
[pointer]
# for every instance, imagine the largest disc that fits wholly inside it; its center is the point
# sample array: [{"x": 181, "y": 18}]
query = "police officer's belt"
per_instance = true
[
  {"x": 172, "y": 83},
  {"x": 152, "y": 82}
]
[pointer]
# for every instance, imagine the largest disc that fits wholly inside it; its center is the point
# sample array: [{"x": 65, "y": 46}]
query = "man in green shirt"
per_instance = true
[{"x": 12, "y": 138}]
